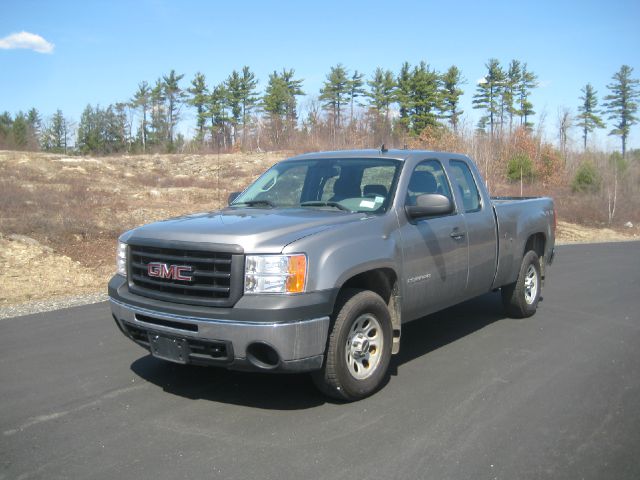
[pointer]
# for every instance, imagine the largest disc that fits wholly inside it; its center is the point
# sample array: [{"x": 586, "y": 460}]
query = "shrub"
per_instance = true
[
  {"x": 587, "y": 179},
  {"x": 520, "y": 166}
]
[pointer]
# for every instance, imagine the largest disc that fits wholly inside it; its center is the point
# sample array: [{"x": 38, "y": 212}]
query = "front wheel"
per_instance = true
[
  {"x": 520, "y": 299},
  {"x": 359, "y": 348}
]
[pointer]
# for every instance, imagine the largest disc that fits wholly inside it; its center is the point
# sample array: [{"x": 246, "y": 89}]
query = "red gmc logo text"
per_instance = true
[{"x": 175, "y": 272}]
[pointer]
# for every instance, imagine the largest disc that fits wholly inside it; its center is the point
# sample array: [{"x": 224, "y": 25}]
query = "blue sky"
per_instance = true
[{"x": 103, "y": 49}]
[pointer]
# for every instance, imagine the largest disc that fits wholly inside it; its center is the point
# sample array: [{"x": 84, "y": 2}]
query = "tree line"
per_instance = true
[{"x": 385, "y": 106}]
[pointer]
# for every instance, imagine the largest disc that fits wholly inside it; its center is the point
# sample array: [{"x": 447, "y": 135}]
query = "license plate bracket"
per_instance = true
[{"x": 169, "y": 348}]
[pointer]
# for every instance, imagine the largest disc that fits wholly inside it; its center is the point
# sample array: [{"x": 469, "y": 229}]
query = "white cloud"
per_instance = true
[
  {"x": 27, "y": 40},
  {"x": 481, "y": 80}
]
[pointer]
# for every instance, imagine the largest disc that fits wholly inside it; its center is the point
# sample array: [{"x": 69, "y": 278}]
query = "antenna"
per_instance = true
[{"x": 383, "y": 149}]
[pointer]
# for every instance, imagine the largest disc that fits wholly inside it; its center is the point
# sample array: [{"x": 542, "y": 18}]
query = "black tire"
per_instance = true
[
  {"x": 519, "y": 299},
  {"x": 370, "y": 360}
]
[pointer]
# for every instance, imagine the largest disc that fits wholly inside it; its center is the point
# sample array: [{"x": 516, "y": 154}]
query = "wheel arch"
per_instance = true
[{"x": 384, "y": 282}]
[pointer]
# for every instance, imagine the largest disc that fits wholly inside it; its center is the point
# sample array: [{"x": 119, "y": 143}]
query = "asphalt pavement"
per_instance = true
[{"x": 473, "y": 395}]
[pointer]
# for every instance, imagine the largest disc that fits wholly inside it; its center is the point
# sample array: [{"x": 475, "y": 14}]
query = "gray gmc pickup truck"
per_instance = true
[{"x": 317, "y": 264}]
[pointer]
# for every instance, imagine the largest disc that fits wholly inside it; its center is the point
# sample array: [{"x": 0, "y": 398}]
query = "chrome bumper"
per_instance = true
[{"x": 299, "y": 345}]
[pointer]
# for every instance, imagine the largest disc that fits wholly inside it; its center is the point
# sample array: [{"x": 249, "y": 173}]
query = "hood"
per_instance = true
[{"x": 256, "y": 230}]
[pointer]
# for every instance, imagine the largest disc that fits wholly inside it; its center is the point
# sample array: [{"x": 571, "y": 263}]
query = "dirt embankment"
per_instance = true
[{"x": 60, "y": 216}]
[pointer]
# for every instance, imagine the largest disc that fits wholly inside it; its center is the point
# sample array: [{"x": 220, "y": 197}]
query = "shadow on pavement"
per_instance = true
[
  {"x": 439, "y": 329},
  {"x": 296, "y": 391}
]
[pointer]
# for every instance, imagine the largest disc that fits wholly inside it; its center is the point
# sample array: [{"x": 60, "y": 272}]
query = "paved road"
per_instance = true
[{"x": 474, "y": 395}]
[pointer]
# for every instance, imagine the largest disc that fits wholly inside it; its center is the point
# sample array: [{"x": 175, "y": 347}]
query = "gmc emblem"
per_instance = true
[{"x": 175, "y": 272}]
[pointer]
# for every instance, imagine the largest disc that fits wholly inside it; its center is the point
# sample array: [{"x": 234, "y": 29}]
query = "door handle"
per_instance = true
[{"x": 456, "y": 235}]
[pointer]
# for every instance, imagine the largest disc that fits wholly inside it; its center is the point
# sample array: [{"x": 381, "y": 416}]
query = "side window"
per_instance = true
[
  {"x": 463, "y": 178},
  {"x": 428, "y": 177}
]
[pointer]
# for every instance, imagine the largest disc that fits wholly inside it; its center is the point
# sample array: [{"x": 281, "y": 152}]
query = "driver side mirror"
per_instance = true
[
  {"x": 429, "y": 205},
  {"x": 232, "y": 197}
]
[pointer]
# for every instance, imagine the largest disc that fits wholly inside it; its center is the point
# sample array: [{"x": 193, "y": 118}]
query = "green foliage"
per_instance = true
[
  {"x": 55, "y": 137},
  {"x": 198, "y": 98},
  {"x": 513, "y": 81},
  {"x": 279, "y": 103},
  {"x": 587, "y": 179},
  {"x": 19, "y": 131},
  {"x": 505, "y": 94},
  {"x": 382, "y": 89},
  {"x": 588, "y": 118},
  {"x": 174, "y": 96},
  {"x": 619, "y": 163},
  {"x": 489, "y": 91},
  {"x": 102, "y": 131},
  {"x": 425, "y": 99},
  {"x": 356, "y": 89},
  {"x": 451, "y": 93},
  {"x": 403, "y": 94},
  {"x": 520, "y": 166},
  {"x": 419, "y": 96},
  {"x": 141, "y": 100},
  {"x": 528, "y": 81},
  {"x": 621, "y": 104},
  {"x": 335, "y": 92}
]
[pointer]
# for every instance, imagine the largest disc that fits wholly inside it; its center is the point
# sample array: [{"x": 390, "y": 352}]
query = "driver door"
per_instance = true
[{"x": 435, "y": 249}]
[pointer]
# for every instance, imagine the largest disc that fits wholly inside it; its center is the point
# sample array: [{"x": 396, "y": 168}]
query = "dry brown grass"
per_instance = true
[{"x": 75, "y": 208}]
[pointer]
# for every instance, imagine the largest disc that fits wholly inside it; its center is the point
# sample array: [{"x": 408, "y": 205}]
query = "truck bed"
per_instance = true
[{"x": 517, "y": 219}]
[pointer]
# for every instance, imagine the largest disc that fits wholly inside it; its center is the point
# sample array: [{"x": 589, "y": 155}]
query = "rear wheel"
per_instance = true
[
  {"x": 520, "y": 299},
  {"x": 359, "y": 348}
]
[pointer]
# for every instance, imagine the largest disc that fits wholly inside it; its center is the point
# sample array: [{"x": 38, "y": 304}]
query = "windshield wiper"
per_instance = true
[
  {"x": 252, "y": 203},
  {"x": 324, "y": 204}
]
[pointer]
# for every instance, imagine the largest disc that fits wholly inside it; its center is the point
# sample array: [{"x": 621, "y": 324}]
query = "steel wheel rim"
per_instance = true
[
  {"x": 530, "y": 284},
  {"x": 363, "y": 349}
]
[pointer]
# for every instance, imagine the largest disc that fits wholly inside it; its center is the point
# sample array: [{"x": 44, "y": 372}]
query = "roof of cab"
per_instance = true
[{"x": 371, "y": 153}]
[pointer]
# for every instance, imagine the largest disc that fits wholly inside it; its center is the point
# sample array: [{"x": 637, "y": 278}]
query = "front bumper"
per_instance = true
[{"x": 292, "y": 345}]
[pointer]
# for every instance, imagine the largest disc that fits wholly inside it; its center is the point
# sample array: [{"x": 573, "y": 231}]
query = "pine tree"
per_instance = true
[
  {"x": 382, "y": 93},
  {"x": 451, "y": 93},
  {"x": 403, "y": 95},
  {"x": 425, "y": 98},
  {"x": 513, "y": 81},
  {"x": 20, "y": 131},
  {"x": 34, "y": 129},
  {"x": 274, "y": 103},
  {"x": 90, "y": 137},
  {"x": 199, "y": 96},
  {"x": 279, "y": 103},
  {"x": 55, "y": 137},
  {"x": 335, "y": 94},
  {"x": 248, "y": 98},
  {"x": 158, "y": 133},
  {"x": 488, "y": 92},
  {"x": 621, "y": 104},
  {"x": 217, "y": 110},
  {"x": 174, "y": 96},
  {"x": 294, "y": 88},
  {"x": 6, "y": 122},
  {"x": 528, "y": 81},
  {"x": 356, "y": 89},
  {"x": 141, "y": 100},
  {"x": 382, "y": 90},
  {"x": 588, "y": 118},
  {"x": 233, "y": 88}
]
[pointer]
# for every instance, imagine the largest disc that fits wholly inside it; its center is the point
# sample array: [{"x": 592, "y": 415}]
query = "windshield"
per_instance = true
[{"x": 356, "y": 185}]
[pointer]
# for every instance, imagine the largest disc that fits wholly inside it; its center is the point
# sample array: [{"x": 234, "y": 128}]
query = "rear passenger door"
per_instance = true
[
  {"x": 481, "y": 228},
  {"x": 434, "y": 248}
]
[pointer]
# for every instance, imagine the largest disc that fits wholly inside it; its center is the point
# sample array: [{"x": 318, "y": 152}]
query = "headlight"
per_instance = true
[
  {"x": 275, "y": 273},
  {"x": 121, "y": 259}
]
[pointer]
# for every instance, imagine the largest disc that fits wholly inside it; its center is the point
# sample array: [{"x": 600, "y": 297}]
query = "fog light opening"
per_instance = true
[{"x": 262, "y": 356}]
